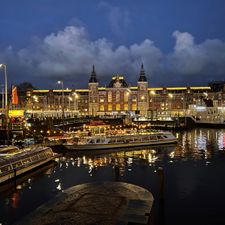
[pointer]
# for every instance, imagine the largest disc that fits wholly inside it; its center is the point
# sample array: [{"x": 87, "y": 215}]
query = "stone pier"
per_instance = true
[{"x": 104, "y": 203}]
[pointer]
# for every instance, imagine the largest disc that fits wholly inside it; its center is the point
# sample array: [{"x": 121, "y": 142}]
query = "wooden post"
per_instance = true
[
  {"x": 161, "y": 196},
  {"x": 161, "y": 183},
  {"x": 14, "y": 176}
]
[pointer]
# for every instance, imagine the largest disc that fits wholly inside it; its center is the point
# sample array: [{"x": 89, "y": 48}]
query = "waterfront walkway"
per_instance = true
[{"x": 105, "y": 203}]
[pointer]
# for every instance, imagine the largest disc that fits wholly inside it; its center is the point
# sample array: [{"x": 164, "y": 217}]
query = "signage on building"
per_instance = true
[{"x": 16, "y": 113}]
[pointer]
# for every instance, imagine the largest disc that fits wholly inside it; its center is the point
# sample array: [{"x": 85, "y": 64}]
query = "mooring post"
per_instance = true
[
  {"x": 161, "y": 195},
  {"x": 14, "y": 177},
  {"x": 117, "y": 172},
  {"x": 161, "y": 183}
]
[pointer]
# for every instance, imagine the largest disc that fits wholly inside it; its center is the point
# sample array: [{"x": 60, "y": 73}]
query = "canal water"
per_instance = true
[{"x": 187, "y": 180}]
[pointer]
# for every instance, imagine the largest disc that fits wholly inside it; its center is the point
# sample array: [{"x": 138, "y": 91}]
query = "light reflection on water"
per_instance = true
[{"x": 198, "y": 151}]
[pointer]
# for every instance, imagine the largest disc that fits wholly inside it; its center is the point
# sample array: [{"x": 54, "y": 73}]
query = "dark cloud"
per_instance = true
[{"x": 70, "y": 53}]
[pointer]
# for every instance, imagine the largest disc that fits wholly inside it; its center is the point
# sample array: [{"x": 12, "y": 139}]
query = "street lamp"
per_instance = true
[
  {"x": 170, "y": 95},
  {"x": 153, "y": 108},
  {"x": 6, "y": 85},
  {"x": 62, "y": 85},
  {"x": 76, "y": 96},
  {"x": 152, "y": 93},
  {"x": 170, "y": 104},
  {"x": 6, "y": 97}
]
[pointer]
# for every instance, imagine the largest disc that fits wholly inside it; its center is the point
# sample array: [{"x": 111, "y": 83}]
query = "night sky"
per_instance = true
[{"x": 180, "y": 42}]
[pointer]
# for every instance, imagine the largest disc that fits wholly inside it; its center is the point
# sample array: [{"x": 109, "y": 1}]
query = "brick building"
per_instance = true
[{"x": 120, "y": 98}]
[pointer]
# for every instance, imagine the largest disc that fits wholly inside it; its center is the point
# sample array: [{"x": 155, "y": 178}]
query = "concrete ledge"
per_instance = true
[{"x": 105, "y": 203}]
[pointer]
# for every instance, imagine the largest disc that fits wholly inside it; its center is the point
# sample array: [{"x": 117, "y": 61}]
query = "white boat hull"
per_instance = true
[
  {"x": 117, "y": 145},
  {"x": 13, "y": 175}
]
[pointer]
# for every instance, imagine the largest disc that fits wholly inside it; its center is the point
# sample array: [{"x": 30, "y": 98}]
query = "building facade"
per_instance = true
[{"x": 119, "y": 98}]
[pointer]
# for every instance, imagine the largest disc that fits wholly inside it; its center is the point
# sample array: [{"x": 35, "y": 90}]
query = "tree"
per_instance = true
[{"x": 22, "y": 91}]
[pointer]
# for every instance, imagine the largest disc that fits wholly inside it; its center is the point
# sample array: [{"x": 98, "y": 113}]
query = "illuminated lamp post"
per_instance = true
[
  {"x": 6, "y": 99},
  {"x": 63, "y": 102},
  {"x": 75, "y": 107},
  {"x": 171, "y": 102},
  {"x": 184, "y": 110},
  {"x": 128, "y": 101},
  {"x": 153, "y": 93}
]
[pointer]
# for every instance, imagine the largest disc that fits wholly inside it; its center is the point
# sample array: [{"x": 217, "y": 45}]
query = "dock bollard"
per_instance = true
[
  {"x": 14, "y": 173},
  {"x": 14, "y": 176},
  {"x": 161, "y": 183}
]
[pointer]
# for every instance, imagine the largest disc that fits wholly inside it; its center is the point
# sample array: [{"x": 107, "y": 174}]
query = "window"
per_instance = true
[
  {"x": 102, "y": 108},
  {"x": 4, "y": 169},
  {"x": 134, "y": 99},
  {"x": 110, "y": 107},
  {"x": 125, "y": 106},
  {"x": 126, "y": 96},
  {"x": 142, "y": 98},
  {"x": 117, "y": 107},
  {"x": 117, "y": 96},
  {"x": 134, "y": 107},
  {"x": 109, "y": 96}
]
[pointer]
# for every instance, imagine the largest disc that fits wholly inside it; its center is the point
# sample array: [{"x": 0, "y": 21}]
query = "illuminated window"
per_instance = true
[
  {"x": 125, "y": 106},
  {"x": 134, "y": 99},
  {"x": 117, "y": 107},
  {"x": 134, "y": 107},
  {"x": 102, "y": 108},
  {"x": 117, "y": 96},
  {"x": 126, "y": 96},
  {"x": 109, "y": 96},
  {"x": 101, "y": 99},
  {"x": 109, "y": 107}
]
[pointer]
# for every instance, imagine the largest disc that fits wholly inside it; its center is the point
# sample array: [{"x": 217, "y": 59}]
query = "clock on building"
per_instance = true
[{"x": 117, "y": 84}]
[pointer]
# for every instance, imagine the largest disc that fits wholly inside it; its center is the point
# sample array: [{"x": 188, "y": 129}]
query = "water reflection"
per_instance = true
[
  {"x": 137, "y": 166},
  {"x": 119, "y": 160},
  {"x": 195, "y": 144},
  {"x": 200, "y": 143}
]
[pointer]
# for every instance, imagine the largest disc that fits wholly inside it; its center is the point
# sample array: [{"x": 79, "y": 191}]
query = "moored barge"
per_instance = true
[
  {"x": 121, "y": 141},
  {"x": 13, "y": 165}
]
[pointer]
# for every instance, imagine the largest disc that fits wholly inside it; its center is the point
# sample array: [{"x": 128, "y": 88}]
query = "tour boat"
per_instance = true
[
  {"x": 5, "y": 149},
  {"x": 121, "y": 141},
  {"x": 17, "y": 163}
]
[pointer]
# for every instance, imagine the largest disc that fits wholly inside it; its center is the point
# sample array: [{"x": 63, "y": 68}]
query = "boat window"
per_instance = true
[
  {"x": 159, "y": 137},
  {"x": 92, "y": 141},
  {"x": 112, "y": 141},
  {"x": 98, "y": 141},
  {"x": 48, "y": 153},
  {"x": 153, "y": 138},
  {"x": 165, "y": 136},
  {"x": 4, "y": 169},
  {"x": 34, "y": 158},
  {"x": 145, "y": 138},
  {"x": 25, "y": 161},
  {"x": 17, "y": 164},
  {"x": 41, "y": 155},
  {"x": 136, "y": 138},
  {"x": 129, "y": 140},
  {"x": 119, "y": 140}
]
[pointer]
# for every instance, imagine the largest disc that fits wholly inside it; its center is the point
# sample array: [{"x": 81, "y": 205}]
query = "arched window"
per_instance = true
[
  {"x": 109, "y": 107},
  {"x": 117, "y": 96},
  {"x": 126, "y": 96},
  {"x": 117, "y": 107},
  {"x": 109, "y": 96},
  {"x": 134, "y": 98}
]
